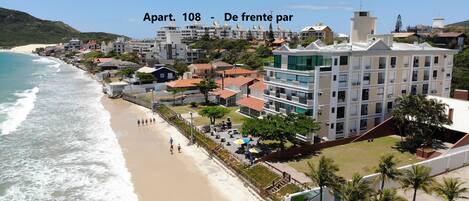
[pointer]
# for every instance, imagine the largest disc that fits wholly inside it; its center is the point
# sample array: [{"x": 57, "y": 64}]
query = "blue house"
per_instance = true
[{"x": 162, "y": 74}]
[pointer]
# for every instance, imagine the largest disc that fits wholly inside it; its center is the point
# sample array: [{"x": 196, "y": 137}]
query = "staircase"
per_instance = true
[{"x": 277, "y": 185}]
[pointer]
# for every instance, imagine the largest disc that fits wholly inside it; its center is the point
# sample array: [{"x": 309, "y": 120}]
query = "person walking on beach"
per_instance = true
[
  {"x": 154, "y": 120},
  {"x": 146, "y": 121},
  {"x": 171, "y": 149},
  {"x": 138, "y": 122},
  {"x": 171, "y": 141},
  {"x": 179, "y": 147}
]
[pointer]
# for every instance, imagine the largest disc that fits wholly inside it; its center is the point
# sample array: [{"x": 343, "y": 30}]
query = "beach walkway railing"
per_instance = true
[{"x": 217, "y": 151}]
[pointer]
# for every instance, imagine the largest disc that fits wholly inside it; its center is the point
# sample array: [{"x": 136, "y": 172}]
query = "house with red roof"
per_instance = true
[
  {"x": 208, "y": 69},
  {"x": 232, "y": 89},
  {"x": 235, "y": 72},
  {"x": 253, "y": 103}
]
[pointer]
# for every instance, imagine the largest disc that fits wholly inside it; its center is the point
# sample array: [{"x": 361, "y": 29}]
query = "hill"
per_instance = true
[
  {"x": 20, "y": 28},
  {"x": 463, "y": 23}
]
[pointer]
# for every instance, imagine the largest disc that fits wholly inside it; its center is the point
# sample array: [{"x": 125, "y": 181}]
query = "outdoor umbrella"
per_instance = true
[
  {"x": 239, "y": 141},
  {"x": 254, "y": 150}
]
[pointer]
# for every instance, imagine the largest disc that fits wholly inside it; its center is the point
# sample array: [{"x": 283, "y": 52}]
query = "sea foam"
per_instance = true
[{"x": 17, "y": 112}]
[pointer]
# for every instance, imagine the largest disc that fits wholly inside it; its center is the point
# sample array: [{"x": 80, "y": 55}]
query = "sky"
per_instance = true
[{"x": 126, "y": 17}]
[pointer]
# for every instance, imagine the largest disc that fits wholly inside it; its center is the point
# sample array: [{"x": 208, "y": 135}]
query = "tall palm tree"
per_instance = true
[
  {"x": 387, "y": 169},
  {"x": 324, "y": 174},
  {"x": 416, "y": 178},
  {"x": 389, "y": 195},
  {"x": 356, "y": 189},
  {"x": 451, "y": 189}
]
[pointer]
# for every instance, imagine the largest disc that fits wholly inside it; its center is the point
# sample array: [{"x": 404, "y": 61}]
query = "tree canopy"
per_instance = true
[
  {"x": 419, "y": 119},
  {"x": 280, "y": 127},
  {"x": 206, "y": 86},
  {"x": 145, "y": 77},
  {"x": 214, "y": 112}
]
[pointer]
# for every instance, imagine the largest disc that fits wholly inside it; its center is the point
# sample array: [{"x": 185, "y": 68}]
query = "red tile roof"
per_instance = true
[
  {"x": 449, "y": 34},
  {"x": 236, "y": 81},
  {"x": 226, "y": 93},
  {"x": 202, "y": 66},
  {"x": 220, "y": 64},
  {"x": 258, "y": 86},
  {"x": 102, "y": 60},
  {"x": 253, "y": 103},
  {"x": 184, "y": 83},
  {"x": 237, "y": 71}
]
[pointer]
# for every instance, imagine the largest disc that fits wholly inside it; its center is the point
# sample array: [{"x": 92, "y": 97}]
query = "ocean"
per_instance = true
[{"x": 56, "y": 142}]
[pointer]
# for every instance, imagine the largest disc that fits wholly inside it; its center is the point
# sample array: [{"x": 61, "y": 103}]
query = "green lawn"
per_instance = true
[
  {"x": 361, "y": 157},
  {"x": 236, "y": 118},
  {"x": 262, "y": 175}
]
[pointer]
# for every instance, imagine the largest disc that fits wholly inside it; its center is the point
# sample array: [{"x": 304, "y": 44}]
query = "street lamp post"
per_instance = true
[
  {"x": 152, "y": 101},
  {"x": 192, "y": 133}
]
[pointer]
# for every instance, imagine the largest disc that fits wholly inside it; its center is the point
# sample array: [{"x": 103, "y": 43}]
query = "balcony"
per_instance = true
[{"x": 291, "y": 83}]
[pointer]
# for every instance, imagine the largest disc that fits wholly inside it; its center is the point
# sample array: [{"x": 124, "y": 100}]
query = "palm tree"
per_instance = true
[
  {"x": 418, "y": 177},
  {"x": 389, "y": 195},
  {"x": 387, "y": 170},
  {"x": 356, "y": 189},
  {"x": 451, "y": 189},
  {"x": 324, "y": 174}
]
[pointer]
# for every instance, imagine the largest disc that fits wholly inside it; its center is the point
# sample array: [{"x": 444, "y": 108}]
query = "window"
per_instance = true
[
  {"x": 377, "y": 120},
  {"x": 332, "y": 109},
  {"x": 379, "y": 108},
  {"x": 364, "y": 109},
  {"x": 393, "y": 62},
  {"x": 333, "y": 94},
  {"x": 335, "y": 61},
  {"x": 343, "y": 60},
  {"x": 426, "y": 74},
  {"x": 363, "y": 124},
  {"x": 332, "y": 125},
  {"x": 277, "y": 61},
  {"x": 435, "y": 74},
  {"x": 341, "y": 97},
  {"x": 403, "y": 91},
  {"x": 413, "y": 89},
  {"x": 416, "y": 61},
  {"x": 427, "y": 61},
  {"x": 170, "y": 75},
  {"x": 382, "y": 63},
  {"x": 365, "y": 94},
  {"x": 389, "y": 106},
  {"x": 343, "y": 80},
  {"x": 340, "y": 112},
  {"x": 435, "y": 59},
  {"x": 381, "y": 78},
  {"x": 415, "y": 75},
  {"x": 425, "y": 89},
  {"x": 363, "y": 14},
  {"x": 340, "y": 128},
  {"x": 366, "y": 78},
  {"x": 334, "y": 78}
]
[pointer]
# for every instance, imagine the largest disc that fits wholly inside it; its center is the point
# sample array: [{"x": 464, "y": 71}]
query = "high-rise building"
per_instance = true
[{"x": 351, "y": 87}]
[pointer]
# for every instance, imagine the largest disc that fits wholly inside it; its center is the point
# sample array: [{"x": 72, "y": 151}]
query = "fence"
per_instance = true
[
  {"x": 439, "y": 165},
  {"x": 213, "y": 149}
]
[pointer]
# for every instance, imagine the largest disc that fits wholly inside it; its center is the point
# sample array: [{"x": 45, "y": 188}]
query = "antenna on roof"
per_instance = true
[{"x": 361, "y": 4}]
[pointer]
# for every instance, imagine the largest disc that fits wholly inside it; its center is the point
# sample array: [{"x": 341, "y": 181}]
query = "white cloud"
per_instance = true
[{"x": 319, "y": 7}]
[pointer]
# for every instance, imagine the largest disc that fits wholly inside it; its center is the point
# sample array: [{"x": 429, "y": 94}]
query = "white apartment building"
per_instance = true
[
  {"x": 169, "y": 47},
  {"x": 351, "y": 87}
]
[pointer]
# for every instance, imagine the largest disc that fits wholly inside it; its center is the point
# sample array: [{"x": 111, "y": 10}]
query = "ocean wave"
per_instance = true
[
  {"x": 44, "y": 60},
  {"x": 17, "y": 112}
]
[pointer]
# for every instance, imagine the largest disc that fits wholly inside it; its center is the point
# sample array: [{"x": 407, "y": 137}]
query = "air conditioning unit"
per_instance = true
[
  {"x": 354, "y": 99},
  {"x": 390, "y": 95},
  {"x": 433, "y": 91},
  {"x": 320, "y": 93},
  {"x": 405, "y": 80},
  {"x": 391, "y": 80},
  {"x": 442, "y": 70}
]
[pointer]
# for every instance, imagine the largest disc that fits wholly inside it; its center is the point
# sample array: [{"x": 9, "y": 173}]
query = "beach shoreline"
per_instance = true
[
  {"x": 146, "y": 148},
  {"x": 28, "y": 49},
  {"x": 190, "y": 175}
]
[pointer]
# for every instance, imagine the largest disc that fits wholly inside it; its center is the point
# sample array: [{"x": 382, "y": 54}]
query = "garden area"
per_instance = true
[
  {"x": 359, "y": 157},
  {"x": 199, "y": 120}
]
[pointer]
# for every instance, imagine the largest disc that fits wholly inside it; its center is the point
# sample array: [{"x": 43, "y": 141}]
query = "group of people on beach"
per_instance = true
[
  {"x": 171, "y": 141},
  {"x": 144, "y": 121}
]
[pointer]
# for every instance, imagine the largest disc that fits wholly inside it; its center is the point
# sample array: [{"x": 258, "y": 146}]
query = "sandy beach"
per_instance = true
[
  {"x": 29, "y": 48},
  {"x": 158, "y": 175}
]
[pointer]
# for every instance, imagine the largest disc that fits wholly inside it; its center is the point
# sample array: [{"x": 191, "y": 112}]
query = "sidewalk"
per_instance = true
[{"x": 299, "y": 176}]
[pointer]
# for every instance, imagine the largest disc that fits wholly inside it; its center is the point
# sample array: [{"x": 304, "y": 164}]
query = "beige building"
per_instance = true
[
  {"x": 351, "y": 87},
  {"x": 319, "y": 31}
]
